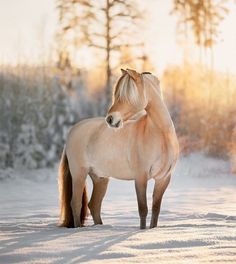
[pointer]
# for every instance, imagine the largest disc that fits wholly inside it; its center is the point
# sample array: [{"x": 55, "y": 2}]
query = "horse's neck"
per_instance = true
[
  {"x": 158, "y": 118},
  {"x": 157, "y": 111}
]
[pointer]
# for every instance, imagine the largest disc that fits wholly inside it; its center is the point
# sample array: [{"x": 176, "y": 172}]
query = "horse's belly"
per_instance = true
[
  {"x": 111, "y": 168},
  {"x": 111, "y": 161}
]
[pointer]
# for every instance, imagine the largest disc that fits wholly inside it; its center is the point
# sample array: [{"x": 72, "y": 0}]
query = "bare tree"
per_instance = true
[
  {"x": 66, "y": 34},
  {"x": 204, "y": 17},
  {"x": 105, "y": 25}
]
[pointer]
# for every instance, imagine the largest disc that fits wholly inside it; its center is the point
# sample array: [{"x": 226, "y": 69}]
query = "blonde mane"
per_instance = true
[
  {"x": 154, "y": 82},
  {"x": 126, "y": 90}
]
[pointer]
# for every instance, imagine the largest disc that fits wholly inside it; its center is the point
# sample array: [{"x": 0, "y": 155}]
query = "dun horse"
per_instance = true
[{"x": 122, "y": 147}]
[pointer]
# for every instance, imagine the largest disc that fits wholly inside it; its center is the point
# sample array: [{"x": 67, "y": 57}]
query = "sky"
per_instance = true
[{"x": 27, "y": 34}]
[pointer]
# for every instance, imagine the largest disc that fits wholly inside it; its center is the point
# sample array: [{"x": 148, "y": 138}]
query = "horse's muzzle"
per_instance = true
[{"x": 112, "y": 122}]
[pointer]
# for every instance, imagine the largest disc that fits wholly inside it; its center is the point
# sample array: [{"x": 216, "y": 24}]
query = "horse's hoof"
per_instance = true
[
  {"x": 97, "y": 224},
  {"x": 152, "y": 227}
]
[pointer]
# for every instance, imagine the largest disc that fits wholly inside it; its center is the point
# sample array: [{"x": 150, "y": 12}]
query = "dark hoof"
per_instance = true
[
  {"x": 98, "y": 224},
  {"x": 143, "y": 223},
  {"x": 152, "y": 226}
]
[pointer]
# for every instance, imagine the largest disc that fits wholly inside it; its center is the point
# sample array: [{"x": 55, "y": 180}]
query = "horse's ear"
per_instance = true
[
  {"x": 133, "y": 74},
  {"x": 123, "y": 72},
  {"x": 146, "y": 73}
]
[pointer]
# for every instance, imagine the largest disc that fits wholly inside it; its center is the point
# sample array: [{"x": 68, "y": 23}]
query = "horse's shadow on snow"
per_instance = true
[
  {"x": 24, "y": 242},
  {"x": 38, "y": 239},
  {"x": 100, "y": 249}
]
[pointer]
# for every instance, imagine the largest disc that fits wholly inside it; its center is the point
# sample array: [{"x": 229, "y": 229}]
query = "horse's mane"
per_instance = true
[
  {"x": 127, "y": 91},
  {"x": 153, "y": 81}
]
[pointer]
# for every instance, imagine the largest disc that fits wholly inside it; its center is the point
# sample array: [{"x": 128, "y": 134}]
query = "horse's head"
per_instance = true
[{"x": 129, "y": 98}]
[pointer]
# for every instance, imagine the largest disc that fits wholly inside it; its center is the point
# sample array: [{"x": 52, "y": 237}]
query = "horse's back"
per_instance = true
[
  {"x": 79, "y": 137},
  {"x": 87, "y": 124}
]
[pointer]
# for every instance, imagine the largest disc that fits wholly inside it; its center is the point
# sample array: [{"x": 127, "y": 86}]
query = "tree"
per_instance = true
[
  {"x": 105, "y": 25},
  {"x": 204, "y": 17}
]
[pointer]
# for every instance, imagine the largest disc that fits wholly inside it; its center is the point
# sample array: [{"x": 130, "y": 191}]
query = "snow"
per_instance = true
[{"x": 197, "y": 223}]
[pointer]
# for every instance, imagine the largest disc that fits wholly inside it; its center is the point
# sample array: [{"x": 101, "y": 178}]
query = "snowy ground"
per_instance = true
[{"x": 197, "y": 222}]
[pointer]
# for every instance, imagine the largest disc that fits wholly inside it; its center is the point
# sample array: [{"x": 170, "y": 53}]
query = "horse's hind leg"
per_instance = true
[
  {"x": 159, "y": 189},
  {"x": 78, "y": 188},
  {"x": 141, "y": 188},
  {"x": 99, "y": 190}
]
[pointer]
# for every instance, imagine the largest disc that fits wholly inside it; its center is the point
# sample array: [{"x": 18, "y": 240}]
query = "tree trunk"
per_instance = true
[{"x": 108, "y": 51}]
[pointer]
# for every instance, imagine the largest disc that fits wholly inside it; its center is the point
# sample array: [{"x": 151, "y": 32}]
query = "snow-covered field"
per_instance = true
[{"x": 197, "y": 222}]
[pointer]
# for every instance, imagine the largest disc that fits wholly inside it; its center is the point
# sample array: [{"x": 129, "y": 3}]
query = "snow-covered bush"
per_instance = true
[
  {"x": 29, "y": 151},
  {"x": 36, "y": 113}
]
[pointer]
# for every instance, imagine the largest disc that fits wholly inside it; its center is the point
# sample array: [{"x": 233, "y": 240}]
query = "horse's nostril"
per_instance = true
[
  {"x": 117, "y": 124},
  {"x": 109, "y": 119}
]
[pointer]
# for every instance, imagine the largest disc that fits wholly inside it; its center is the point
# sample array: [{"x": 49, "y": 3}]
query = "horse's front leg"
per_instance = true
[
  {"x": 141, "y": 189},
  {"x": 159, "y": 189}
]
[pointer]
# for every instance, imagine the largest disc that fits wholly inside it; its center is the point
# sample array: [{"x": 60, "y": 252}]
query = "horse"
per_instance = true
[{"x": 124, "y": 145}]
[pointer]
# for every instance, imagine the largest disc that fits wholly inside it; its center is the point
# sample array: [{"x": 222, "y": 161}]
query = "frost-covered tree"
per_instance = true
[
  {"x": 61, "y": 118},
  {"x": 203, "y": 17},
  {"x": 29, "y": 151},
  {"x": 36, "y": 114}
]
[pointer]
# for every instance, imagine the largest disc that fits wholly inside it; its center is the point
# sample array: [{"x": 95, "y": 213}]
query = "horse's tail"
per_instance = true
[{"x": 65, "y": 189}]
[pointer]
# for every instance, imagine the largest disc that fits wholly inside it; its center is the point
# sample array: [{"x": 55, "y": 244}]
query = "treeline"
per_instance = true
[
  {"x": 37, "y": 111},
  {"x": 202, "y": 104},
  {"x": 38, "y": 108}
]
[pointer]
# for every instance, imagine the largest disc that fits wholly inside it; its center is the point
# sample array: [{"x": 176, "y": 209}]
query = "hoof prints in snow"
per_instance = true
[{"x": 175, "y": 244}]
